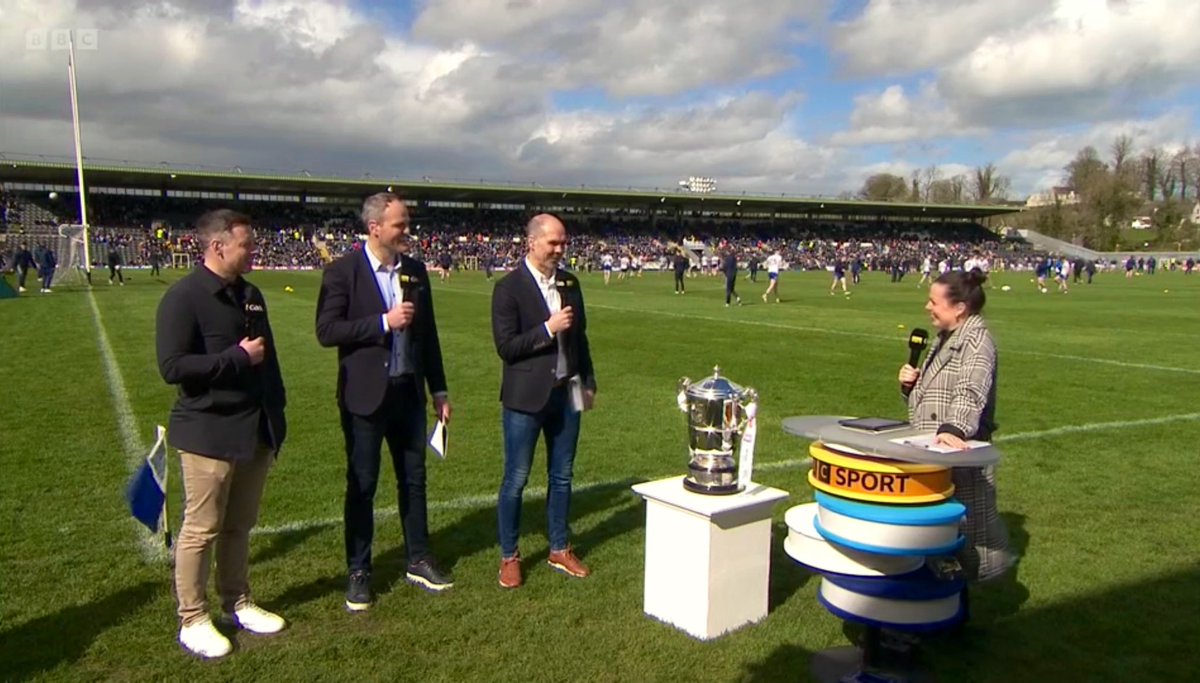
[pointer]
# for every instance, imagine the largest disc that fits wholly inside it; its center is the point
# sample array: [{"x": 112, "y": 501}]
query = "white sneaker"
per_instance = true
[
  {"x": 21, "y": 290},
  {"x": 204, "y": 640},
  {"x": 258, "y": 620}
]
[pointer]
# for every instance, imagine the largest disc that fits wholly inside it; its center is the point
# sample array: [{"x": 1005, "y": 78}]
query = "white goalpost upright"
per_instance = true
[{"x": 84, "y": 238}]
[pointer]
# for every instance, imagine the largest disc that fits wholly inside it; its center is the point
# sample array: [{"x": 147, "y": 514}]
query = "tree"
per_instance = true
[
  {"x": 1122, "y": 151},
  {"x": 1151, "y": 165},
  {"x": 884, "y": 187},
  {"x": 988, "y": 185},
  {"x": 1166, "y": 182},
  {"x": 1185, "y": 168},
  {"x": 929, "y": 175},
  {"x": 1085, "y": 170}
]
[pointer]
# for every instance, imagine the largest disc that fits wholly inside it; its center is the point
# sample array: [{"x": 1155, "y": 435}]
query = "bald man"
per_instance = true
[{"x": 540, "y": 330}]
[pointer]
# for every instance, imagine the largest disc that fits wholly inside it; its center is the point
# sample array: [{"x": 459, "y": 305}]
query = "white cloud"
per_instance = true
[
  {"x": 891, "y": 116},
  {"x": 1040, "y": 163},
  {"x": 1082, "y": 58},
  {"x": 630, "y": 47},
  {"x": 894, "y": 37}
]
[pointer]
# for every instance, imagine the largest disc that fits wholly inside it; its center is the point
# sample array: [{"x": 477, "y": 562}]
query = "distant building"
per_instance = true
[
  {"x": 1064, "y": 195},
  {"x": 1142, "y": 223},
  {"x": 1195, "y": 214}
]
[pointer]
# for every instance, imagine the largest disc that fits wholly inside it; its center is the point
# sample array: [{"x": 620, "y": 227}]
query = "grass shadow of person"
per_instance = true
[
  {"x": 47, "y": 642},
  {"x": 476, "y": 531}
]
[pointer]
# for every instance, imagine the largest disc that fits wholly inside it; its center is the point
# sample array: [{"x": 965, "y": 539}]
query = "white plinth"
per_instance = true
[{"x": 708, "y": 558}]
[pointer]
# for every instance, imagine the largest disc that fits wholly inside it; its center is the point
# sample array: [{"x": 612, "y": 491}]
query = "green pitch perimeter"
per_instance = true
[{"x": 1098, "y": 418}]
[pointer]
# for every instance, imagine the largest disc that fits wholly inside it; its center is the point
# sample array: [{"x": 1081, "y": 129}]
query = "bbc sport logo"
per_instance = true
[{"x": 60, "y": 39}]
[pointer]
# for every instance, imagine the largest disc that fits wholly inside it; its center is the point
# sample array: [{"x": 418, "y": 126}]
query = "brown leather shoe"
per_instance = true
[
  {"x": 566, "y": 562},
  {"x": 510, "y": 572}
]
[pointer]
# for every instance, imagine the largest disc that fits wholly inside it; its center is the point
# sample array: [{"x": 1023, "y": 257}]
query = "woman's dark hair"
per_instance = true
[{"x": 965, "y": 288}]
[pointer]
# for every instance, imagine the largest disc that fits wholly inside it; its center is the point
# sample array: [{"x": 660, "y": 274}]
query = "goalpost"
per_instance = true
[{"x": 72, "y": 252}]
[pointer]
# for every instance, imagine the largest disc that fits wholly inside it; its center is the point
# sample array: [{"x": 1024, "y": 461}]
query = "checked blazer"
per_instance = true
[{"x": 956, "y": 393}]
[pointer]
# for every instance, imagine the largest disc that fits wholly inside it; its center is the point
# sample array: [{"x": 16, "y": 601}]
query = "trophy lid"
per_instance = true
[{"x": 715, "y": 387}]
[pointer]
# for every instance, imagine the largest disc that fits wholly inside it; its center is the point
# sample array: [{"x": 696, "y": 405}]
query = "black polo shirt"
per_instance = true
[{"x": 226, "y": 407}]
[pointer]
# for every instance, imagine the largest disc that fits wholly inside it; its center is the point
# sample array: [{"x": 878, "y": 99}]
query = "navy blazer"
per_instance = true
[
  {"x": 529, "y": 353},
  {"x": 349, "y": 316}
]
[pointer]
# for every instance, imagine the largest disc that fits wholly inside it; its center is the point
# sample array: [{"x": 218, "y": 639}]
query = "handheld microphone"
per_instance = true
[
  {"x": 918, "y": 339},
  {"x": 410, "y": 286}
]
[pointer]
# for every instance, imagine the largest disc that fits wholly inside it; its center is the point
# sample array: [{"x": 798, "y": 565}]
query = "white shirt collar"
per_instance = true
[
  {"x": 541, "y": 279},
  {"x": 376, "y": 263}
]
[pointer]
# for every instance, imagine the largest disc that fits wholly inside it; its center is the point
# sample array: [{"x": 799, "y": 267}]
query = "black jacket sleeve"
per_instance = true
[
  {"x": 334, "y": 327},
  {"x": 176, "y": 328}
]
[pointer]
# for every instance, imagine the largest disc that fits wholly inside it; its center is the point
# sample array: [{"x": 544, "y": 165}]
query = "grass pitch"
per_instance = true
[{"x": 1098, "y": 423}]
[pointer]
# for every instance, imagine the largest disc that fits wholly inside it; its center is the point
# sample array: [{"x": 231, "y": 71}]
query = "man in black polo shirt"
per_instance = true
[{"x": 215, "y": 343}]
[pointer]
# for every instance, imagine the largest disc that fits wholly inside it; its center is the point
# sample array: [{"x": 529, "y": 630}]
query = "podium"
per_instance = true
[{"x": 708, "y": 558}]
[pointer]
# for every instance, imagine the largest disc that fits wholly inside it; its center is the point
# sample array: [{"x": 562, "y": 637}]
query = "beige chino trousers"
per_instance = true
[{"x": 222, "y": 500}]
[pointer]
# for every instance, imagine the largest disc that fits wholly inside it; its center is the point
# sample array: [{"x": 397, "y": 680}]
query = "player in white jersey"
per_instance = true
[
  {"x": 624, "y": 267},
  {"x": 1061, "y": 273},
  {"x": 606, "y": 265},
  {"x": 926, "y": 271},
  {"x": 774, "y": 264}
]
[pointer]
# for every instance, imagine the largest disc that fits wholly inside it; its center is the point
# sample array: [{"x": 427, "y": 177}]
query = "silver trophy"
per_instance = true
[{"x": 716, "y": 416}]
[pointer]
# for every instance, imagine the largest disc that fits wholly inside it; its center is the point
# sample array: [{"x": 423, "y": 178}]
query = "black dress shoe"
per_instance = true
[{"x": 426, "y": 574}]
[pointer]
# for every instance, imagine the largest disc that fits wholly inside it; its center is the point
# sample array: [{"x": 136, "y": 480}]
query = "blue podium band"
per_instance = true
[
  {"x": 948, "y": 512},
  {"x": 886, "y": 540},
  {"x": 920, "y": 585},
  {"x": 810, "y": 549},
  {"x": 906, "y": 615}
]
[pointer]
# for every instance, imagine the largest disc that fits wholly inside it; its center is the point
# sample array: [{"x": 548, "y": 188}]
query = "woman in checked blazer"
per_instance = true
[{"x": 954, "y": 394}]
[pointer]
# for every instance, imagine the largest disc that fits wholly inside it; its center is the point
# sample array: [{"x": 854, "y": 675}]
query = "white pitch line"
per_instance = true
[
  {"x": 1097, "y": 427},
  {"x": 489, "y": 499},
  {"x": 135, "y": 450},
  {"x": 862, "y": 335},
  {"x": 1108, "y": 361},
  {"x": 482, "y": 500}
]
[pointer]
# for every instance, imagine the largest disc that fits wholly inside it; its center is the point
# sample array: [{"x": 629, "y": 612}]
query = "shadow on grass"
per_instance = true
[
  {"x": 63, "y": 637},
  {"x": 1146, "y": 631},
  {"x": 1142, "y": 632},
  {"x": 787, "y": 576},
  {"x": 787, "y": 663},
  {"x": 280, "y": 544},
  {"x": 476, "y": 532}
]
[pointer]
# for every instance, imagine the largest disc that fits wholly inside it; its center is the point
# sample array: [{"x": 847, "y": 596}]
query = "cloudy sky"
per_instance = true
[{"x": 798, "y": 96}]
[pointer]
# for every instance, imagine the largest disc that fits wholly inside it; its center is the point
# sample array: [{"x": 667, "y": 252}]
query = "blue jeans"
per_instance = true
[{"x": 560, "y": 425}]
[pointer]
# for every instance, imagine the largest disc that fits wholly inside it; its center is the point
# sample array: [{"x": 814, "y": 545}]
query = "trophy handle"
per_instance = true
[
  {"x": 748, "y": 397},
  {"x": 681, "y": 387}
]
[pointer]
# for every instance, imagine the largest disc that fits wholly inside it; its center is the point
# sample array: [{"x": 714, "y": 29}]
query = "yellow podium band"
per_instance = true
[
  {"x": 878, "y": 481},
  {"x": 870, "y": 463}
]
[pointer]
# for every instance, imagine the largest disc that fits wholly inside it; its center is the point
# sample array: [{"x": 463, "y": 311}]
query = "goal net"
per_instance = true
[{"x": 71, "y": 252}]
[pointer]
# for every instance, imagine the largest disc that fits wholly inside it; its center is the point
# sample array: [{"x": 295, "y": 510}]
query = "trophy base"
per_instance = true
[{"x": 711, "y": 489}]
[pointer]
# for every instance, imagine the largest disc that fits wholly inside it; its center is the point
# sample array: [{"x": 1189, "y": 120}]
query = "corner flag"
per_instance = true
[{"x": 147, "y": 491}]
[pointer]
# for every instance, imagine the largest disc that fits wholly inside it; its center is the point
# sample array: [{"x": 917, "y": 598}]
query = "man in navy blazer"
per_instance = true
[
  {"x": 375, "y": 306},
  {"x": 540, "y": 330}
]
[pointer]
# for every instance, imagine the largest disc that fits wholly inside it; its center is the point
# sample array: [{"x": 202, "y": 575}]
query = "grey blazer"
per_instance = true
[{"x": 956, "y": 393}]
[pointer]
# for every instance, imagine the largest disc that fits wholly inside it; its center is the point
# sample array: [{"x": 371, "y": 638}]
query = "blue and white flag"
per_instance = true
[{"x": 147, "y": 492}]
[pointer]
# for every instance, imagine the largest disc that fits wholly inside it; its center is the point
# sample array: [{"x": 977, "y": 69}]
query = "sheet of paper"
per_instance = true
[
  {"x": 575, "y": 386},
  {"x": 928, "y": 442},
  {"x": 438, "y": 441}
]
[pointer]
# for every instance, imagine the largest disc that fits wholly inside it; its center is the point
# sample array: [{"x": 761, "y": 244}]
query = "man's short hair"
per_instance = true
[
  {"x": 374, "y": 206},
  {"x": 219, "y": 223}
]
